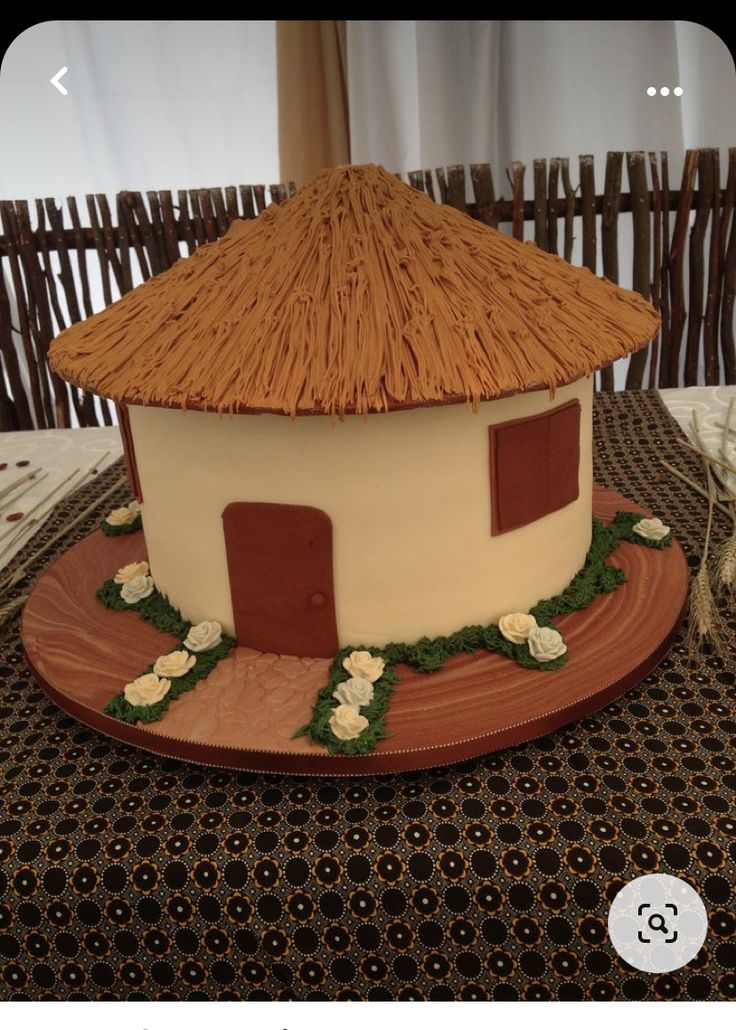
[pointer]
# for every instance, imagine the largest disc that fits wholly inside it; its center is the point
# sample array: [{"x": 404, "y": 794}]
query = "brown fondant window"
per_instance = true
[
  {"x": 129, "y": 451},
  {"x": 534, "y": 466}
]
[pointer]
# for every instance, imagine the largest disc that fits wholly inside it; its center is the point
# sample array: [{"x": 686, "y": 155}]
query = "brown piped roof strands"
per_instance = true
[{"x": 359, "y": 294}]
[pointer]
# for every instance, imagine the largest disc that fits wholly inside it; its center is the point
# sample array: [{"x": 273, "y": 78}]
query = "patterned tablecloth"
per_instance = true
[{"x": 124, "y": 875}]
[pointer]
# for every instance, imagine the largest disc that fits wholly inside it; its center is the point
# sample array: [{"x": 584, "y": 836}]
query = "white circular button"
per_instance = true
[{"x": 657, "y": 923}]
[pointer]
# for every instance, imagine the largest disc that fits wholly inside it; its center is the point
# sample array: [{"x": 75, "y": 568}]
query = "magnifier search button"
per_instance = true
[{"x": 659, "y": 924}]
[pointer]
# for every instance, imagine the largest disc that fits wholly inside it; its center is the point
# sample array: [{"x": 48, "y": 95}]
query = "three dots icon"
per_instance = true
[{"x": 664, "y": 91}]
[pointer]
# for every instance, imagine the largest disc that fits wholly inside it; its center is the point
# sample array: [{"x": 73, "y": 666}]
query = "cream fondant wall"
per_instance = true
[{"x": 408, "y": 493}]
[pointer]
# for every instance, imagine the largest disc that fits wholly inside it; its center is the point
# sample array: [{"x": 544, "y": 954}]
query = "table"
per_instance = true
[{"x": 123, "y": 875}]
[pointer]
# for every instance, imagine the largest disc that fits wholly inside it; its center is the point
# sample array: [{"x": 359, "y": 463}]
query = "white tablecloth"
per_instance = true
[
  {"x": 60, "y": 451},
  {"x": 711, "y": 404},
  {"x": 55, "y": 451}
]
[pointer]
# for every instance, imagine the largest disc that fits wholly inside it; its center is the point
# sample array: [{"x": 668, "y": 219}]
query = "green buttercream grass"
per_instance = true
[
  {"x": 131, "y": 527},
  {"x": 154, "y": 609},
  {"x": 625, "y": 522},
  {"x": 318, "y": 728},
  {"x": 430, "y": 655},
  {"x": 157, "y": 611}
]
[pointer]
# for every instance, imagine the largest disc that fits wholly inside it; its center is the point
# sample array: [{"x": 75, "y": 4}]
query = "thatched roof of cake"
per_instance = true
[{"x": 359, "y": 294}]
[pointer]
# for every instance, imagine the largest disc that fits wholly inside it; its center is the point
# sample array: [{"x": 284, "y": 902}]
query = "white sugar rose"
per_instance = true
[
  {"x": 355, "y": 692},
  {"x": 651, "y": 529},
  {"x": 132, "y": 571},
  {"x": 363, "y": 665},
  {"x": 204, "y": 636},
  {"x": 121, "y": 517},
  {"x": 546, "y": 644},
  {"x": 346, "y": 723},
  {"x": 517, "y": 626},
  {"x": 146, "y": 690},
  {"x": 134, "y": 590},
  {"x": 135, "y": 507},
  {"x": 177, "y": 663}
]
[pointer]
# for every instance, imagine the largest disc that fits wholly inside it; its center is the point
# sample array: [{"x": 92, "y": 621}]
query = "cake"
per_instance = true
[{"x": 358, "y": 419}]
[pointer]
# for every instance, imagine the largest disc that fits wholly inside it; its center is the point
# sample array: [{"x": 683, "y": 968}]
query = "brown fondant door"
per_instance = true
[{"x": 279, "y": 559}]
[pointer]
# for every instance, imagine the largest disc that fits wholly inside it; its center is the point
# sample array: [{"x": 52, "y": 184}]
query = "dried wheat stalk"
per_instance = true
[
  {"x": 725, "y": 556},
  {"x": 14, "y": 530},
  {"x": 725, "y": 561},
  {"x": 21, "y": 493},
  {"x": 705, "y": 621},
  {"x": 693, "y": 485},
  {"x": 9, "y": 608},
  {"x": 18, "y": 482},
  {"x": 36, "y": 523}
]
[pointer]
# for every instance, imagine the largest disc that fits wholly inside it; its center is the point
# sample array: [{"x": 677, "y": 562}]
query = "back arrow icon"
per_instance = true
[{"x": 55, "y": 81}]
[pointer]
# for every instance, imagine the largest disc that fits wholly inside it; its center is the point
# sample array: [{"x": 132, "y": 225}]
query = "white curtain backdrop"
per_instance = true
[{"x": 151, "y": 105}]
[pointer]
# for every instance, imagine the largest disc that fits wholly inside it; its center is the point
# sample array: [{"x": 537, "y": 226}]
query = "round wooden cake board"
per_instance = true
[{"x": 244, "y": 714}]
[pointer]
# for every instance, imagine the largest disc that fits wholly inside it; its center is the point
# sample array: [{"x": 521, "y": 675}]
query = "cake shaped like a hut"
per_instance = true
[{"x": 362, "y": 417}]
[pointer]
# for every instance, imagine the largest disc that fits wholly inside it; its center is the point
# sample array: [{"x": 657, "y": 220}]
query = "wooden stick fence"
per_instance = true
[{"x": 688, "y": 271}]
